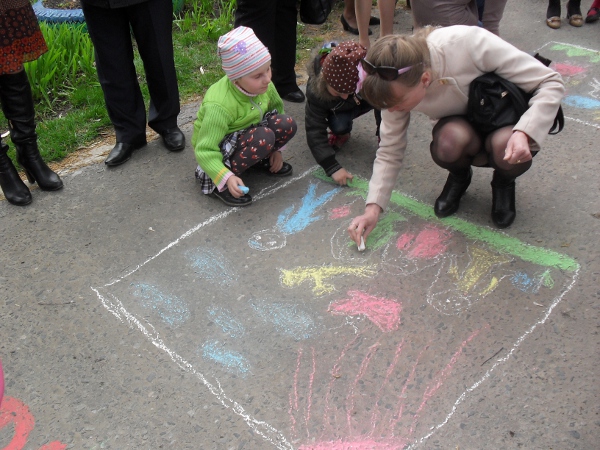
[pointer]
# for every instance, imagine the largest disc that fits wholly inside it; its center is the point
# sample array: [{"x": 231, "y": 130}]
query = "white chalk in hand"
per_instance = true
[
  {"x": 244, "y": 189},
  {"x": 361, "y": 247}
]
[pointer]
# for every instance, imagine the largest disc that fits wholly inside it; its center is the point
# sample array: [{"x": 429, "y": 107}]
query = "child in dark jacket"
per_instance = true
[{"x": 332, "y": 102}]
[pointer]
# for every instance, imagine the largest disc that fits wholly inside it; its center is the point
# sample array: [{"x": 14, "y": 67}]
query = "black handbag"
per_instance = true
[
  {"x": 315, "y": 12},
  {"x": 495, "y": 103}
]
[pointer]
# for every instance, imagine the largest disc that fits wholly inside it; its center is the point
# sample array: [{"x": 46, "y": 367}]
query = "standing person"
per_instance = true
[
  {"x": 363, "y": 18},
  {"x": 332, "y": 102},
  {"x": 241, "y": 123},
  {"x": 22, "y": 41},
  {"x": 274, "y": 22},
  {"x": 431, "y": 72},
  {"x": 110, "y": 24},
  {"x": 457, "y": 12}
]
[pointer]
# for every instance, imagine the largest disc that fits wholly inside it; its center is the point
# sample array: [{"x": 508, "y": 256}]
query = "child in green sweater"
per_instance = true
[{"x": 241, "y": 122}]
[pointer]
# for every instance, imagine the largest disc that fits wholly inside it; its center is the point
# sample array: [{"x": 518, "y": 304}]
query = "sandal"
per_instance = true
[
  {"x": 553, "y": 22},
  {"x": 593, "y": 15},
  {"x": 575, "y": 20}
]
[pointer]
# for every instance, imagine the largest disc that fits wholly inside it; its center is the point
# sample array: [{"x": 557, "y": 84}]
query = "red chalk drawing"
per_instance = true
[
  {"x": 383, "y": 312},
  {"x": 568, "y": 70},
  {"x": 429, "y": 243},
  {"x": 14, "y": 412},
  {"x": 339, "y": 213}
]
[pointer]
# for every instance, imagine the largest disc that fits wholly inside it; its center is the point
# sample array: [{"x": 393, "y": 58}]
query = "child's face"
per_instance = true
[
  {"x": 258, "y": 81},
  {"x": 335, "y": 93}
]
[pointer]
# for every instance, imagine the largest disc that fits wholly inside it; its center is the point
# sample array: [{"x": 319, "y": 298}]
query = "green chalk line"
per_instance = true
[{"x": 496, "y": 240}]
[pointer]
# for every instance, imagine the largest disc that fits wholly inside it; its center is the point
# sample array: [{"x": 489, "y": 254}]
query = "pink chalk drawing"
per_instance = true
[
  {"x": 384, "y": 313},
  {"x": 339, "y": 212},
  {"x": 15, "y": 412},
  {"x": 568, "y": 70},
  {"x": 416, "y": 250},
  {"x": 391, "y": 416}
]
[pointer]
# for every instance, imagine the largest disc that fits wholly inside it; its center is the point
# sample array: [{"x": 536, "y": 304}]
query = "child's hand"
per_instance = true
[
  {"x": 341, "y": 176},
  {"x": 232, "y": 185},
  {"x": 276, "y": 161}
]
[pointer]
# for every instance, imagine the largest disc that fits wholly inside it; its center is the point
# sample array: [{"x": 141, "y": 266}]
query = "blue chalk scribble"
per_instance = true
[
  {"x": 287, "y": 319},
  {"x": 525, "y": 283},
  {"x": 579, "y": 101},
  {"x": 212, "y": 266},
  {"x": 223, "y": 318},
  {"x": 233, "y": 362},
  {"x": 305, "y": 215},
  {"x": 171, "y": 309}
]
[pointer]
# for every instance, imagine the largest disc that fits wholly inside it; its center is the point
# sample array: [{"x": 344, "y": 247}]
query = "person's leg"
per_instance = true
[
  {"x": 503, "y": 181},
  {"x": 17, "y": 105},
  {"x": 363, "y": 14},
  {"x": 446, "y": 13},
  {"x": 492, "y": 14},
  {"x": 386, "y": 13},
  {"x": 152, "y": 23},
  {"x": 453, "y": 147},
  {"x": 574, "y": 13},
  {"x": 252, "y": 146},
  {"x": 349, "y": 15},
  {"x": 111, "y": 36},
  {"x": 553, "y": 14}
]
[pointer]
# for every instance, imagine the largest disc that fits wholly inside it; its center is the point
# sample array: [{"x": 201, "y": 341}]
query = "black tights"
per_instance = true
[
  {"x": 573, "y": 7},
  {"x": 456, "y": 146}
]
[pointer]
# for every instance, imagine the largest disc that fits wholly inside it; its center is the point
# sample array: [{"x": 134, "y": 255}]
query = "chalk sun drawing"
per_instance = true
[{"x": 292, "y": 220}]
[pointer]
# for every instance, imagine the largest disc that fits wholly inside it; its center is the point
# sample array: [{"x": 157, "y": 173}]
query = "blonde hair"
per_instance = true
[{"x": 396, "y": 51}]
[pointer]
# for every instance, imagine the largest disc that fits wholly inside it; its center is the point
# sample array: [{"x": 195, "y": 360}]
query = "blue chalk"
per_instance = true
[{"x": 244, "y": 189}]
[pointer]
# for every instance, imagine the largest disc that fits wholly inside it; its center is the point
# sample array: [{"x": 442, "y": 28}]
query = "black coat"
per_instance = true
[{"x": 320, "y": 105}]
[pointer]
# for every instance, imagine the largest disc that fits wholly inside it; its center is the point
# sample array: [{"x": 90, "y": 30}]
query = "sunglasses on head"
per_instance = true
[{"x": 386, "y": 73}]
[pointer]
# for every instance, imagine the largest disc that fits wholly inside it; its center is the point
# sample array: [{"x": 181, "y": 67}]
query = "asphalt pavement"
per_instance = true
[{"x": 136, "y": 313}]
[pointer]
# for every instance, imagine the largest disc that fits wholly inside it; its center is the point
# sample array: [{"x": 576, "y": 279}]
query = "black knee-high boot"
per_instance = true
[
  {"x": 17, "y": 105},
  {"x": 504, "y": 208},
  {"x": 13, "y": 187}
]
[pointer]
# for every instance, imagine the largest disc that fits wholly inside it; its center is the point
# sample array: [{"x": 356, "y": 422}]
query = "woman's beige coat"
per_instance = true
[{"x": 459, "y": 54}]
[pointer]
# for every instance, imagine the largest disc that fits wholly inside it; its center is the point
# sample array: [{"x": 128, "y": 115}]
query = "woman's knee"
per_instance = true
[{"x": 453, "y": 140}]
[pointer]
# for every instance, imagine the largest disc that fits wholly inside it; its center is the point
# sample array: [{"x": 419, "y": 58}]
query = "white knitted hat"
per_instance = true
[{"x": 241, "y": 52}]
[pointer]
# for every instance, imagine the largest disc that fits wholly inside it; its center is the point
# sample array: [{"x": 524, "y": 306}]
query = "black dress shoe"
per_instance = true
[
  {"x": 504, "y": 209},
  {"x": 265, "y": 167},
  {"x": 174, "y": 139},
  {"x": 348, "y": 28},
  {"x": 449, "y": 200},
  {"x": 294, "y": 96},
  {"x": 121, "y": 153},
  {"x": 230, "y": 200}
]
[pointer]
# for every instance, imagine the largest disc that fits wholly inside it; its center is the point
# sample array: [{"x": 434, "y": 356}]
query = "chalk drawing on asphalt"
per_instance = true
[
  {"x": 373, "y": 352},
  {"x": 292, "y": 220}
]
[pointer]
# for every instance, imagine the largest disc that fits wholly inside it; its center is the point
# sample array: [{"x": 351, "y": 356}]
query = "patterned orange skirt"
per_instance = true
[{"x": 20, "y": 37}]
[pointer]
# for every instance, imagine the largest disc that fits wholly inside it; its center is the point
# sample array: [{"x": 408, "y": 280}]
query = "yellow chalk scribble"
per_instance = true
[
  {"x": 481, "y": 264},
  {"x": 320, "y": 275}
]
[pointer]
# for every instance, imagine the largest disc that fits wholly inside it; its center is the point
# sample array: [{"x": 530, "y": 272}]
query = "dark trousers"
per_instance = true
[
  {"x": 340, "y": 123},
  {"x": 274, "y": 23},
  {"x": 110, "y": 30}
]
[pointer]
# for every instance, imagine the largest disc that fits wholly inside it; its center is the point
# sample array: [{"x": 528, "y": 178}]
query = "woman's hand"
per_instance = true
[
  {"x": 363, "y": 225},
  {"x": 232, "y": 184},
  {"x": 517, "y": 149},
  {"x": 276, "y": 161},
  {"x": 341, "y": 176}
]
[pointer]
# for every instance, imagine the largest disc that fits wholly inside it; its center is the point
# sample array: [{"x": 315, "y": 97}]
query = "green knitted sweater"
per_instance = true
[{"x": 224, "y": 110}]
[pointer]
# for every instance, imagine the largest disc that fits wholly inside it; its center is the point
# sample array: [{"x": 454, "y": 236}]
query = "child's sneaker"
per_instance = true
[{"x": 337, "y": 140}]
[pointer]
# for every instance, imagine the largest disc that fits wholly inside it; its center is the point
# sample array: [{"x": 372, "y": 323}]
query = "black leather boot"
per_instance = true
[
  {"x": 504, "y": 209},
  {"x": 13, "y": 187},
  {"x": 17, "y": 105},
  {"x": 449, "y": 200}
]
